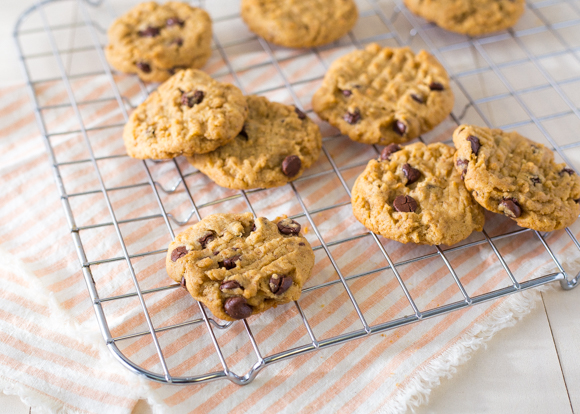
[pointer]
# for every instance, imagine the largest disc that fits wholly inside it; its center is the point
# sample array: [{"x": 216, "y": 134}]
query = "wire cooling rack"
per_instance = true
[{"x": 499, "y": 81}]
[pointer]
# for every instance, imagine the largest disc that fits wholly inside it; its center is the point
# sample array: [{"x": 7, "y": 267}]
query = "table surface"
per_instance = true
[{"x": 533, "y": 367}]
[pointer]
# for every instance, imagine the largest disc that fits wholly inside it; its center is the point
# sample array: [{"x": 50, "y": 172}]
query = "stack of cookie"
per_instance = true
[{"x": 240, "y": 142}]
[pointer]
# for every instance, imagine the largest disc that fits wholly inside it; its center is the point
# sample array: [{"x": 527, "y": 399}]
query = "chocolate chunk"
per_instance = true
[
  {"x": 280, "y": 283},
  {"x": 144, "y": 67},
  {"x": 301, "y": 114},
  {"x": 577, "y": 201},
  {"x": 206, "y": 239},
  {"x": 436, "y": 86},
  {"x": 568, "y": 171},
  {"x": 192, "y": 98},
  {"x": 178, "y": 253},
  {"x": 291, "y": 165},
  {"x": 254, "y": 227},
  {"x": 177, "y": 41},
  {"x": 243, "y": 134},
  {"x": 352, "y": 117},
  {"x": 229, "y": 285},
  {"x": 172, "y": 21},
  {"x": 511, "y": 207},
  {"x": 388, "y": 150},
  {"x": 230, "y": 262},
  {"x": 417, "y": 98},
  {"x": 463, "y": 164},
  {"x": 400, "y": 128},
  {"x": 346, "y": 92},
  {"x": 149, "y": 32},
  {"x": 475, "y": 145},
  {"x": 183, "y": 282},
  {"x": 237, "y": 307},
  {"x": 301, "y": 244},
  {"x": 411, "y": 173},
  {"x": 288, "y": 226},
  {"x": 535, "y": 180},
  {"x": 405, "y": 204}
]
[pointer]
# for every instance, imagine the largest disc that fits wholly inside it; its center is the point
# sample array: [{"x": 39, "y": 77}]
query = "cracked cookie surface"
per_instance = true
[
  {"x": 512, "y": 175},
  {"x": 471, "y": 17},
  {"x": 384, "y": 95},
  {"x": 414, "y": 194},
  {"x": 278, "y": 142},
  {"x": 155, "y": 40},
  {"x": 188, "y": 114},
  {"x": 300, "y": 23},
  {"x": 239, "y": 266}
]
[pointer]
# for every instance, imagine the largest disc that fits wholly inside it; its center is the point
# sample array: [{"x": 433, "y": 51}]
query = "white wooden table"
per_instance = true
[{"x": 533, "y": 367}]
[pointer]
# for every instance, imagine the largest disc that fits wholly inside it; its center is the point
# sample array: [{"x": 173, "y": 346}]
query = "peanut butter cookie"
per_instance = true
[
  {"x": 383, "y": 95},
  {"x": 414, "y": 194},
  {"x": 509, "y": 174},
  {"x": 155, "y": 40},
  {"x": 238, "y": 266}
]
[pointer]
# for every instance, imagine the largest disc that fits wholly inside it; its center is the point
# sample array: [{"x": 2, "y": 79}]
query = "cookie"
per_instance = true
[
  {"x": 188, "y": 114},
  {"x": 155, "y": 40},
  {"x": 300, "y": 23},
  {"x": 471, "y": 17},
  {"x": 384, "y": 95},
  {"x": 509, "y": 174},
  {"x": 278, "y": 142},
  {"x": 414, "y": 194},
  {"x": 238, "y": 266}
]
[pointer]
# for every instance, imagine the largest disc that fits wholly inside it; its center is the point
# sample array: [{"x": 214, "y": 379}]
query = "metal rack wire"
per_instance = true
[{"x": 400, "y": 28}]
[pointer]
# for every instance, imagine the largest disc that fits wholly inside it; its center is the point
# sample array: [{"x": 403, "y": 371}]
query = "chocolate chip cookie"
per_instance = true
[
  {"x": 471, "y": 17},
  {"x": 278, "y": 142},
  {"x": 509, "y": 174},
  {"x": 300, "y": 23},
  {"x": 384, "y": 95},
  {"x": 414, "y": 194},
  {"x": 188, "y": 114},
  {"x": 155, "y": 40},
  {"x": 239, "y": 266}
]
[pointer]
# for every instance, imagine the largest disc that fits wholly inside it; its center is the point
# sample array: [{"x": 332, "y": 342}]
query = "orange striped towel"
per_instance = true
[{"x": 51, "y": 351}]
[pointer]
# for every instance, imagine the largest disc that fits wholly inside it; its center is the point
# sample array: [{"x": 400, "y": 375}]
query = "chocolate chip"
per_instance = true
[
  {"x": 463, "y": 164},
  {"x": 237, "y": 307},
  {"x": 192, "y": 98},
  {"x": 568, "y": 171},
  {"x": 436, "y": 86},
  {"x": 577, "y": 201},
  {"x": 301, "y": 244},
  {"x": 417, "y": 98},
  {"x": 352, "y": 117},
  {"x": 177, "y": 41},
  {"x": 346, "y": 92},
  {"x": 288, "y": 226},
  {"x": 254, "y": 227},
  {"x": 511, "y": 207},
  {"x": 405, "y": 204},
  {"x": 149, "y": 32},
  {"x": 400, "y": 128},
  {"x": 183, "y": 282},
  {"x": 230, "y": 262},
  {"x": 535, "y": 180},
  {"x": 243, "y": 134},
  {"x": 178, "y": 253},
  {"x": 143, "y": 66},
  {"x": 291, "y": 165},
  {"x": 411, "y": 173},
  {"x": 230, "y": 285},
  {"x": 172, "y": 21},
  {"x": 388, "y": 150},
  {"x": 280, "y": 283},
  {"x": 301, "y": 114},
  {"x": 175, "y": 69},
  {"x": 475, "y": 145},
  {"x": 206, "y": 239}
]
